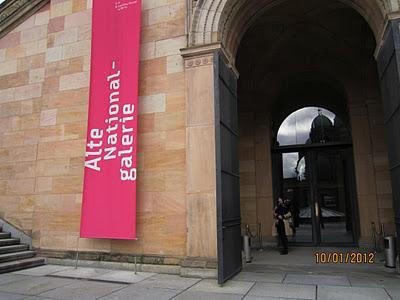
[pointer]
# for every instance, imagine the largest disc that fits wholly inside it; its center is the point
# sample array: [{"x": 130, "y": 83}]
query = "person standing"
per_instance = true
[{"x": 282, "y": 214}]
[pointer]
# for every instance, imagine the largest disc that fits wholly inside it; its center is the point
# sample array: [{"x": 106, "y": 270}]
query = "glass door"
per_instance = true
[
  {"x": 313, "y": 168},
  {"x": 333, "y": 198},
  {"x": 295, "y": 185},
  {"x": 317, "y": 183}
]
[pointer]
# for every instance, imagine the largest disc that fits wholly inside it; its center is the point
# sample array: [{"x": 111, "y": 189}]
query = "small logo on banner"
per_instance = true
[{"x": 122, "y": 5}]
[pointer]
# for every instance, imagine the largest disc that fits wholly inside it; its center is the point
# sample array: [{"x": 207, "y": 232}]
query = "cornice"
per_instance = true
[
  {"x": 14, "y": 12},
  {"x": 196, "y": 56}
]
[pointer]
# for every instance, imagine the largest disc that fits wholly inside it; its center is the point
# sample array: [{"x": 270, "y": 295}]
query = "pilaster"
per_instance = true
[
  {"x": 388, "y": 60},
  {"x": 200, "y": 152}
]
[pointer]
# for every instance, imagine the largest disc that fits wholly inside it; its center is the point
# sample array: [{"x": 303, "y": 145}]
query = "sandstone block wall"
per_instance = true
[
  {"x": 44, "y": 86},
  {"x": 255, "y": 159}
]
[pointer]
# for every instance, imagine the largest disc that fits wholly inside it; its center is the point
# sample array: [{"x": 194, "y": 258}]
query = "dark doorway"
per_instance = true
[
  {"x": 313, "y": 168},
  {"x": 315, "y": 54}
]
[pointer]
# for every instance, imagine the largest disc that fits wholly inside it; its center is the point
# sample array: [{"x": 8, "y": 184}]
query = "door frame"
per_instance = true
[{"x": 350, "y": 182}]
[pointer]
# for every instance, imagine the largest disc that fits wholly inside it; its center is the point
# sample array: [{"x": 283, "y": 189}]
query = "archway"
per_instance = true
[
  {"x": 226, "y": 21},
  {"x": 277, "y": 46},
  {"x": 288, "y": 60}
]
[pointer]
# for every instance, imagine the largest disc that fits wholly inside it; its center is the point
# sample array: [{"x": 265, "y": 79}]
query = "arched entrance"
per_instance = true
[
  {"x": 227, "y": 21},
  {"x": 279, "y": 47},
  {"x": 312, "y": 54}
]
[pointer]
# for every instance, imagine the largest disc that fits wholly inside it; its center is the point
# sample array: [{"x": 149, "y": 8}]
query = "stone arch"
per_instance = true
[{"x": 226, "y": 21}]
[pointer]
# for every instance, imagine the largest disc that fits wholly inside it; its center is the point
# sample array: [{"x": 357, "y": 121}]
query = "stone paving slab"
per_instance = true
[
  {"x": 260, "y": 277},
  {"x": 230, "y": 287},
  {"x": 164, "y": 281},
  {"x": 34, "y": 285},
  {"x": 280, "y": 290},
  {"x": 207, "y": 296},
  {"x": 83, "y": 290},
  {"x": 394, "y": 293},
  {"x": 142, "y": 293},
  {"x": 255, "y": 268},
  {"x": 36, "y": 298},
  {"x": 366, "y": 280},
  {"x": 8, "y": 278},
  {"x": 123, "y": 276},
  {"x": 43, "y": 270},
  {"x": 353, "y": 293},
  {"x": 316, "y": 279},
  {"x": 390, "y": 283},
  {"x": 83, "y": 273},
  {"x": 362, "y": 281},
  {"x": 42, "y": 283},
  {"x": 267, "y": 298},
  {"x": 8, "y": 296}
]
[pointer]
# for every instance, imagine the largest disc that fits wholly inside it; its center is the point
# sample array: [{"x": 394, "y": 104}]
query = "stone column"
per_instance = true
[
  {"x": 388, "y": 60},
  {"x": 364, "y": 171},
  {"x": 381, "y": 165},
  {"x": 200, "y": 154},
  {"x": 264, "y": 188}
]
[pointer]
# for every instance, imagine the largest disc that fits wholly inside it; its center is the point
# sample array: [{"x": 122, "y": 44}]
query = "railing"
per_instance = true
[{"x": 377, "y": 236}]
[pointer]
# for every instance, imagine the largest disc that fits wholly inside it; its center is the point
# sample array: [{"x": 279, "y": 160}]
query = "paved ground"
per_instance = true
[{"x": 286, "y": 278}]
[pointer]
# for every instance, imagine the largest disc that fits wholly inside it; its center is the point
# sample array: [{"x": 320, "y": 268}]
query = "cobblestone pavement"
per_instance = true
[{"x": 257, "y": 281}]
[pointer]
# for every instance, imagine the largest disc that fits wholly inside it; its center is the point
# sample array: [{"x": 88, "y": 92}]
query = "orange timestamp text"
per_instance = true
[{"x": 344, "y": 258}]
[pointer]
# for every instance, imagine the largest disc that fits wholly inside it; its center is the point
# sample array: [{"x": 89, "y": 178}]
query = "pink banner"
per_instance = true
[{"x": 109, "y": 191}]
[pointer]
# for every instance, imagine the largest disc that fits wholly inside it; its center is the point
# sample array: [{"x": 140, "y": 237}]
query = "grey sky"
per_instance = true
[
  {"x": 296, "y": 127},
  {"x": 289, "y": 161}
]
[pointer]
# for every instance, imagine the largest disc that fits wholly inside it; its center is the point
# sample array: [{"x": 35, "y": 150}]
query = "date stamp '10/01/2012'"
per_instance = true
[{"x": 344, "y": 258}]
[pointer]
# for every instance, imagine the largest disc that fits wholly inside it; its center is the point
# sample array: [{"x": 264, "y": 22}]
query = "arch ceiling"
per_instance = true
[
  {"x": 226, "y": 21},
  {"x": 307, "y": 50},
  {"x": 321, "y": 35}
]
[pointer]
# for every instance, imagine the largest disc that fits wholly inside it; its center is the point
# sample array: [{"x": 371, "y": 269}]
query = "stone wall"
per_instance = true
[
  {"x": 44, "y": 80},
  {"x": 22, "y": 71},
  {"x": 247, "y": 169},
  {"x": 374, "y": 191},
  {"x": 256, "y": 189}
]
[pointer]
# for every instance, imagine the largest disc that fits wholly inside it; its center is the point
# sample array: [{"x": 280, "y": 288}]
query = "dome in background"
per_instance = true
[
  {"x": 312, "y": 125},
  {"x": 321, "y": 121}
]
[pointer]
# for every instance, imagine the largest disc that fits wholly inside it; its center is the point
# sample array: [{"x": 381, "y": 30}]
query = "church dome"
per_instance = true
[{"x": 321, "y": 121}]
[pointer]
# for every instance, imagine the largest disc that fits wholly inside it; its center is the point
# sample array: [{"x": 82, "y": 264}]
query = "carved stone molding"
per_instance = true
[
  {"x": 199, "y": 56},
  {"x": 14, "y": 12},
  {"x": 204, "y": 55},
  {"x": 198, "y": 62}
]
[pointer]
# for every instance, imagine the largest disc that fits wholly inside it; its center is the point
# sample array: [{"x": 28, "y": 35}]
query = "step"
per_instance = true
[
  {"x": 8, "y": 242},
  {"x": 13, "y": 248},
  {"x": 16, "y": 256},
  {"x": 17, "y": 265},
  {"x": 5, "y": 235}
]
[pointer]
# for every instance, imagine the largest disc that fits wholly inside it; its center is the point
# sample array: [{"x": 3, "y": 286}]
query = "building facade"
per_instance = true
[{"x": 217, "y": 81}]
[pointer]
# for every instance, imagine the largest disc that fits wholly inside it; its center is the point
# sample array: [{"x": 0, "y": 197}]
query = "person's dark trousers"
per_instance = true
[{"x": 282, "y": 236}]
